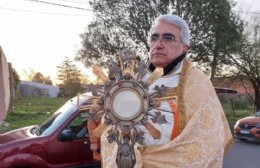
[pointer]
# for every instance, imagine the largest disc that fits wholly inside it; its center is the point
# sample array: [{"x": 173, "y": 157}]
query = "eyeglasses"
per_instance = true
[{"x": 166, "y": 38}]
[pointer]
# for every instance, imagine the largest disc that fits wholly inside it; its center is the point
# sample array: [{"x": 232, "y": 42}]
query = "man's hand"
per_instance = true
[{"x": 94, "y": 146}]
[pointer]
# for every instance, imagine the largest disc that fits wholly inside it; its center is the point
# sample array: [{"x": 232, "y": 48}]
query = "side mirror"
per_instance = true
[{"x": 66, "y": 135}]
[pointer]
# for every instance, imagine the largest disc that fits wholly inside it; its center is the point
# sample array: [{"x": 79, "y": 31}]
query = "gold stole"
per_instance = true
[{"x": 175, "y": 99}]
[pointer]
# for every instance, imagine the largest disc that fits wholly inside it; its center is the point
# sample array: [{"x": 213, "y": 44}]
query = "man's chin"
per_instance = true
[{"x": 159, "y": 64}]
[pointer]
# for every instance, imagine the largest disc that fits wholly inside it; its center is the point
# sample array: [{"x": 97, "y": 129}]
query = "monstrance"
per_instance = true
[{"x": 125, "y": 103}]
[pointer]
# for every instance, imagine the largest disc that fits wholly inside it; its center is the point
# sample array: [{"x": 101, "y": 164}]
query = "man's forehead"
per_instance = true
[{"x": 164, "y": 27}]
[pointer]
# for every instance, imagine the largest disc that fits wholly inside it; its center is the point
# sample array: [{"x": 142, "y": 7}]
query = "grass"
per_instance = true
[
  {"x": 31, "y": 111},
  {"x": 233, "y": 116}
]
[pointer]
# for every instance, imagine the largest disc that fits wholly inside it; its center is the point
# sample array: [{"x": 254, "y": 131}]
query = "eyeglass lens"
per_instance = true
[{"x": 166, "y": 37}]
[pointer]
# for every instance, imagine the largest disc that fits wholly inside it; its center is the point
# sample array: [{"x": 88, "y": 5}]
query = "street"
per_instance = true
[{"x": 243, "y": 155}]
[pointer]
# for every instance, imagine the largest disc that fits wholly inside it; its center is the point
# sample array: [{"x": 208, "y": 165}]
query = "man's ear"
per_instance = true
[{"x": 185, "y": 48}]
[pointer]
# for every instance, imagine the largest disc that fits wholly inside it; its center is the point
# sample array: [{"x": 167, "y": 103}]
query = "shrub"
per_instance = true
[{"x": 240, "y": 104}]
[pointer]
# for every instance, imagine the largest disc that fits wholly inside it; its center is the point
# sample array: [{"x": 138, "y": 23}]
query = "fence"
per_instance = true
[{"x": 34, "y": 89}]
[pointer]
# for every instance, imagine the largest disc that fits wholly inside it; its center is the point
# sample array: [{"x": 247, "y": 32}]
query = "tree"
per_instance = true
[
  {"x": 215, "y": 31},
  {"x": 33, "y": 76},
  {"x": 40, "y": 78},
  {"x": 70, "y": 77},
  {"x": 16, "y": 78},
  {"x": 247, "y": 63},
  {"x": 28, "y": 73},
  {"x": 47, "y": 80},
  {"x": 118, "y": 25}
]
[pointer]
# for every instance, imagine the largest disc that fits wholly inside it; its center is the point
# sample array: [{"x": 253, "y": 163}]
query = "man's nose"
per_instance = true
[{"x": 159, "y": 43}]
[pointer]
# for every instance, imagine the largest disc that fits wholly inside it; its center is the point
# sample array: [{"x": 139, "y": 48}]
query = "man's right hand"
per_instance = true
[{"x": 94, "y": 146}]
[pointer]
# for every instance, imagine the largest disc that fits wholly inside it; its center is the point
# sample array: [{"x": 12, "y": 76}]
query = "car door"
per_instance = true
[{"x": 71, "y": 152}]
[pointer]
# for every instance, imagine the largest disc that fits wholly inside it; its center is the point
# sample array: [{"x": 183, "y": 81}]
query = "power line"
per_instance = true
[
  {"x": 56, "y": 4},
  {"x": 255, "y": 13},
  {"x": 29, "y": 11},
  {"x": 75, "y": 2}
]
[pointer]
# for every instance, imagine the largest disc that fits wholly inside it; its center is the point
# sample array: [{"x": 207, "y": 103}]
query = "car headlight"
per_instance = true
[{"x": 237, "y": 123}]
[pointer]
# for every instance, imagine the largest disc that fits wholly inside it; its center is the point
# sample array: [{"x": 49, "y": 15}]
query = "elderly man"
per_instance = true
[{"x": 196, "y": 133}]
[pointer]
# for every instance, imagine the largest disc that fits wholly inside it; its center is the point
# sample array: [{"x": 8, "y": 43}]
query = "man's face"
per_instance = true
[{"x": 165, "y": 44}]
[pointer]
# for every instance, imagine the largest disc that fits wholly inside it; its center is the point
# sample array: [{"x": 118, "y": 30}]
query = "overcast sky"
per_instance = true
[{"x": 39, "y": 35}]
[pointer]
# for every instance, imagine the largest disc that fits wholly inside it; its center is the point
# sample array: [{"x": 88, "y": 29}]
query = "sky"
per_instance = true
[
  {"x": 247, "y": 9},
  {"x": 37, "y": 35}
]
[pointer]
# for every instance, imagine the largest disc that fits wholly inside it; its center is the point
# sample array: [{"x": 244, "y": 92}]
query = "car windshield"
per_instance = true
[{"x": 58, "y": 117}]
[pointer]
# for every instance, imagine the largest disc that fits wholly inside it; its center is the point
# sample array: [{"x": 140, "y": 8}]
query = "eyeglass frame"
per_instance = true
[{"x": 165, "y": 38}]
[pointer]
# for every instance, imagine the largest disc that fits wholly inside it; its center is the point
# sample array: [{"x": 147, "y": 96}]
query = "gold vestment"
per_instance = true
[{"x": 203, "y": 131}]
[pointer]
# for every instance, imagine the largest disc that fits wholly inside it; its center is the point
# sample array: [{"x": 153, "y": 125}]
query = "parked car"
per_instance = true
[
  {"x": 248, "y": 128},
  {"x": 225, "y": 90},
  {"x": 60, "y": 141}
]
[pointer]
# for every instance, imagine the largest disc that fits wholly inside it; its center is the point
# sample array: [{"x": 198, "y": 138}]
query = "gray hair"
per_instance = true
[{"x": 177, "y": 21}]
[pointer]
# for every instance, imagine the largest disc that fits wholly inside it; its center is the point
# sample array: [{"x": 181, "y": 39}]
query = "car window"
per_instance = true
[
  {"x": 79, "y": 125},
  {"x": 55, "y": 120}
]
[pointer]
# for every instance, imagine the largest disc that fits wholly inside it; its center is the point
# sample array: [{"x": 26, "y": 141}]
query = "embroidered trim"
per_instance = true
[
  {"x": 180, "y": 92},
  {"x": 174, "y": 107}
]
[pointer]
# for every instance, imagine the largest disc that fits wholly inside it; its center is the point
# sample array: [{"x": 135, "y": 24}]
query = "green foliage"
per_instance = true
[
  {"x": 239, "y": 101},
  {"x": 33, "y": 76},
  {"x": 37, "y": 104},
  {"x": 70, "y": 77},
  {"x": 16, "y": 78},
  {"x": 247, "y": 63},
  {"x": 31, "y": 111},
  {"x": 240, "y": 105},
  {"x": 40, "y": 78},
  {"x": 118, "y": 25},
  {"x": 233, "y": 116},
  {"x": 215, "y": 30}
]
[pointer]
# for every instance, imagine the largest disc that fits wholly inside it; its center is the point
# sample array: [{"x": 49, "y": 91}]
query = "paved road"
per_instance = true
[{"x": 243, "y": 155}]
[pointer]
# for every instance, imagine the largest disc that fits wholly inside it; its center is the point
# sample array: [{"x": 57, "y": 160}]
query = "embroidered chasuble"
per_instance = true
[{"x": 196, "y": 134}]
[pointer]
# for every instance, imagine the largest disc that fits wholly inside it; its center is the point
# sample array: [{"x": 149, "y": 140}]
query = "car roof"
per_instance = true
[{"x": 225, "y": 90}]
